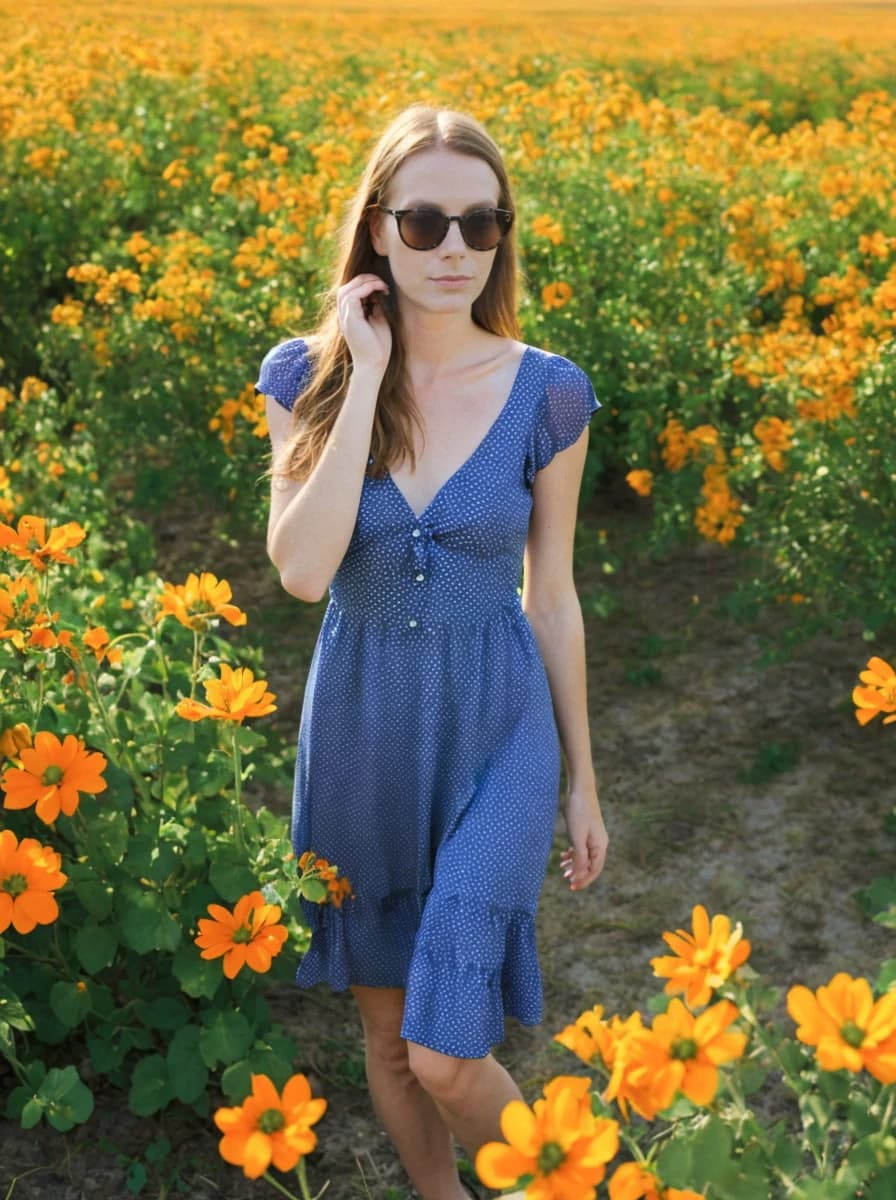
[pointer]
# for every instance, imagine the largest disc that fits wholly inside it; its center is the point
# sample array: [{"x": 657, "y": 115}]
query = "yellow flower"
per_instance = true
[
  {"x": 849, "y": 1028},
  {"x": 702, "y": 960},
  {"x": 556, "y": 295},
  {"x": 878, "y": 695},
  {"x": 233, "y": 697},
  {"x": 198, "y": 600},
  {"x": 269, "y": 1127},
  {"x": 559, "y": 1144}
]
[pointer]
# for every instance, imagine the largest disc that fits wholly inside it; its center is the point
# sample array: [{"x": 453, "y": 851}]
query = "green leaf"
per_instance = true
[
  {"x": 225, "y": 1038},
  {"x": 95, "y": 946},
  {"x": 675, "y": 1163},
  {"x": 69, "y": 1002},
  {"x": 314, "y": 890},
  {"x": 199, "y": 977},
  {"x": 711, "y": 1148},
  {"x": 67, "y": 1100},
  {"x": 13, "y": 1012},
  {"x": 97, "y": 898},
  {"x": 886, "y": 979},
  {"x": 135, "y": 1179},
  {"x": 107, "y": 838},
  {"x": 232, "y": 879},
  {"x": 787, "y": 1155},
  {"x": 186, "y": 1070},
  {"x": 166, "y": 1013},
  {"x": 31, "y": 1114},
  {"x": 106, "y": 1053},
  {"x": 151, "y": 1086},
  {"x": 146, "y": 923}
]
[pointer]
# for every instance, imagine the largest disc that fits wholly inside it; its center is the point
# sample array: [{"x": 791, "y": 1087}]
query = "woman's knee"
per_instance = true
[
  {"x": 381, "y": 1019},
  {"x": 445, "y": 1078}
]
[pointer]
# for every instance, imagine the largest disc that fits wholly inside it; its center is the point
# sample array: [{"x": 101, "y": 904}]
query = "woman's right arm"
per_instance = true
[{"x": 311, "y": 522}]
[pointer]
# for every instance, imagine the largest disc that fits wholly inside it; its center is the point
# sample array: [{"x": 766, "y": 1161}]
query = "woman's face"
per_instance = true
[{"x": 449, "y": 277}]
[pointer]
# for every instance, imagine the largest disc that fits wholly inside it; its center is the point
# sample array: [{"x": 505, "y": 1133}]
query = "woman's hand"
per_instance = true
[
  {"x": 583, "y": 860},
  {"x": 363, "y": 323}
]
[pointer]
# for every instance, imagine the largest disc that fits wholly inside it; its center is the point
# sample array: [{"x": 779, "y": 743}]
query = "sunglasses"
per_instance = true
[{"x": 426, "y": 228}]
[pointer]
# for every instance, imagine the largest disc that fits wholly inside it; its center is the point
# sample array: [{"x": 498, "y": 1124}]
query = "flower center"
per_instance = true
[
  {"x": 14, "y": 885},
  {"x": 684, "y": 1048},
  {"x": 852, "y": 1034},
  {"x": 550, "y": 1157},
  {"x": 240, "y": 937},
  {"x": 271, "y": 1120},
  {"x": 52, "y": 775}
]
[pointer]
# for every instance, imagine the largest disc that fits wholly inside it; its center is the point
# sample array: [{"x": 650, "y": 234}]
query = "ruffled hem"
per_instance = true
[
  {"x": 465, "y": 964},
  {"x": 341, "y": 937},
  {"x": 475, "y": 963}
]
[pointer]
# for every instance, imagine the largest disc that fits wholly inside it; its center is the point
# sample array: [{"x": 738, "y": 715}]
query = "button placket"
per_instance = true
[{"x": 422, "y": 539}]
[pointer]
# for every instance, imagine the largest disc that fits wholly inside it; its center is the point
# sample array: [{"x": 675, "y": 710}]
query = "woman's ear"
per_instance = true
[{"x": 375, "y": 225}]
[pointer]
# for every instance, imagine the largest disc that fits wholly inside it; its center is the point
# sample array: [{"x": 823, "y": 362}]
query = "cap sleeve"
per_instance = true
[
  {"x": 284, "y": 372},
  {"x": 565, "y": 407}
]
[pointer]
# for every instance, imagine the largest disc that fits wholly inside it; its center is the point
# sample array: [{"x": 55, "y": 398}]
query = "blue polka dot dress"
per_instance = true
[{"x": 428, "y": 757}]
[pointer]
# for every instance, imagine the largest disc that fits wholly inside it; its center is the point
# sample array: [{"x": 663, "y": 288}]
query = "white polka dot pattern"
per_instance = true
[{"x": 428, "y": 758}]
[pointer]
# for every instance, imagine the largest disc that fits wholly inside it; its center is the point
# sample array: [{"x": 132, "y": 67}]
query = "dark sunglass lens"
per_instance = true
[
  {"x": 424, "y": 228},
  {"x": 483, "y": 230}
]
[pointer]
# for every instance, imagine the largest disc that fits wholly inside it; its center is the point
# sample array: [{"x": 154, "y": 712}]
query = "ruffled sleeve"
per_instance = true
[
  {"x": 565, "y": 407},
  {"x": 284, "y": 371}
]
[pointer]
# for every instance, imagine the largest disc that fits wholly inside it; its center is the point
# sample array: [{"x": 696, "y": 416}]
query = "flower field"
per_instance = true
[{"x": 706, "y": 224}]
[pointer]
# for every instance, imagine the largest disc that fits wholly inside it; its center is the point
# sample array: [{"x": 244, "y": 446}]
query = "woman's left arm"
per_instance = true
[{"x": 552, "y": 607}]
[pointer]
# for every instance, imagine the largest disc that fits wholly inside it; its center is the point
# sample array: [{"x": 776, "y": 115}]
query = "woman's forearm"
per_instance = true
[
  {"x": 559, "y": 631},
  {"x": 308, "y": 536}
]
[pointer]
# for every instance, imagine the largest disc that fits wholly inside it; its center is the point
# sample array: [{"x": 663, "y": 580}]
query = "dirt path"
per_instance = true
[{"x": 681, "y": 713}]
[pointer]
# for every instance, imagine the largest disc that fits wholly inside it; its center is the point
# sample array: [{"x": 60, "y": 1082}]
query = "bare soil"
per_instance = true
[{"x": 750, "y": 789}]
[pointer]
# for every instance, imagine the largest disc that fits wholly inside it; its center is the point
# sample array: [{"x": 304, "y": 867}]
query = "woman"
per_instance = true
[{"x": 429, "y": 456}]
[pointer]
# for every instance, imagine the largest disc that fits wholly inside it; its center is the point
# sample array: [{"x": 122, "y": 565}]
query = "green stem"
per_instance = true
[
  {"x": 197, "y": 662},
  {"x": 280, "y": 1188},
  {"x": 140, "y": 782},
  {"x": 238, "y": 792}
]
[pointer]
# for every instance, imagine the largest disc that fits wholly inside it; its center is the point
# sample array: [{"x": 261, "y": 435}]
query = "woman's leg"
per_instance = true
[
  {"x": 409, "y": 1115},
  {"x": 470, "y": 1093}
]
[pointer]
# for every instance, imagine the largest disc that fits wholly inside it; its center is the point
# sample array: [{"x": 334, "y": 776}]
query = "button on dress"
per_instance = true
[{"x": 428, "y": 761}]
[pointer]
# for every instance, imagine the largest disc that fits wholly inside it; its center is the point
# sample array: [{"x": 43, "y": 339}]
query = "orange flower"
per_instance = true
[
  {"x": 547, "y": 227},
  {"x": 558, "y": 1144},
  {"x": 233, "y": 697},
  {"x": 775, "y": 437},
  {"x": 269, "y": 1127},
  {"x": 247, "y": 937},
  {"x": 198, "y": 600},
  {"x": 556, "y": 295},
  {"x": 97, "y": 639},
  {"x": 592, "y": 1039},
  {"x": 29, "y": 874},
  {"x": 640, "y": 481},
  {"x": 680, "y": 1053},
  {"x": 312, "y": 869},
  {"x": 703, "y": 959},
  {"x": 15, "y": 738},
  {"x": 31, "y": 541},
  {"x": 879, "y": 694},
  {"x": 849, "y": 1028},
  {"x": 52, "y": 774},
  {"x": 18, "y": 606},
  {"x": 631, "y": 1181}
]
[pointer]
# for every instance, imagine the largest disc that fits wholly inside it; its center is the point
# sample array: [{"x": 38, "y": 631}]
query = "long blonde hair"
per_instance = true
[{"x": 419, "y": 127}]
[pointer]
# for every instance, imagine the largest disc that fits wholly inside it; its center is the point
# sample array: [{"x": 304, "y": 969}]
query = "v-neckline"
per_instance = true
[{"x": 473, "y": 454}]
